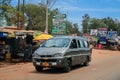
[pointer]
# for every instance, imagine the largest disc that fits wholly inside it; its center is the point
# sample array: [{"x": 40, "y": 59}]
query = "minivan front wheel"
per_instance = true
[
  {"x": 68, "y": 66},
  {"x": 38, "y": 68}
]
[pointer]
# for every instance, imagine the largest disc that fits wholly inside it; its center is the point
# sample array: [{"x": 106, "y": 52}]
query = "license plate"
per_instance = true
[
  {"x": 45, "y": 64},
  {"x": 37, "y": 63}
]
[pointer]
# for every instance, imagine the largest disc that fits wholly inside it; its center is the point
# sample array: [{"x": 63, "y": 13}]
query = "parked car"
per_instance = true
[{"x": 62, "y": 52}]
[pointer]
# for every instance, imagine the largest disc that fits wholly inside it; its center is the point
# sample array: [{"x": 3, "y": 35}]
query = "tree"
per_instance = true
[
  {"x": 97, "y": 23},
  {"x": 85, "y": 23},
  {"x": 117, "y": 22},
  {"x": 76, "y": 29},
  {"x": 4, "y": 5},
  {"x": 69, "y": 27},
  {"x": 72, "y": 28},
  {"x": 5, "y": 11},
  {"x": 110, "y": 23},
  {"x": 36, "y": 17}
]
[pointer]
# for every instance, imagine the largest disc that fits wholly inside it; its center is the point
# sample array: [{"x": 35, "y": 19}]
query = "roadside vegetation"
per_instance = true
[{"x": 33, "y": 15}]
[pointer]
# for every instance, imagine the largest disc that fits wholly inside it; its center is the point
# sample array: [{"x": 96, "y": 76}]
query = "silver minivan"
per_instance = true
[{"x": 62, "y": 52}]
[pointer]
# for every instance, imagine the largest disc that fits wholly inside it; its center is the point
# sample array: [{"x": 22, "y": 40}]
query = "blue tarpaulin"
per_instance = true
[{"x": 3, "y": 34}]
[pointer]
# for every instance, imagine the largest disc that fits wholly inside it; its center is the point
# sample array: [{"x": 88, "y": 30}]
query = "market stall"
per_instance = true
[
  {"x": 19, "y": 43},
  {"x": 3, "y": 45}
]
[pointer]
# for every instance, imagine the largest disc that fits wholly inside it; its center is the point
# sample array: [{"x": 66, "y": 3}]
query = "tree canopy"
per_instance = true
[
  {"x": 95, "y": 23},
  {"x": 35, "y": 16}
]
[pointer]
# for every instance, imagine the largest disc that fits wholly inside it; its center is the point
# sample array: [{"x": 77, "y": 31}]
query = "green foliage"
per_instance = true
[
  {"x": 85, "y": 23},
  {"x": 95, "y": 23},
  {"x": 36, "y": 17},
  {"x": 110, "y": 23},
  {"x": 76, "y": 29},
  {"x": 69, "y": 27},
  {"x": 72, "y": 28},
  {"x": 1, "y": 21},
  {"x": 5, "y": 11}
]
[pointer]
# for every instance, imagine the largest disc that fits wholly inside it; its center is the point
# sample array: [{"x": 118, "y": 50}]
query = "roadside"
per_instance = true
[
  {"x": 6, "y": 64},
  {"x": 103, "y": 62},
  {"x": 97, "y": 54}
]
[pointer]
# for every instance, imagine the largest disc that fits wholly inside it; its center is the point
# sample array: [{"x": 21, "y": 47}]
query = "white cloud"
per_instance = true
[
  {"x": 100, "y": 9},
  {"x": 69, "y": 5},
  {"x": 75, "y": 8}
]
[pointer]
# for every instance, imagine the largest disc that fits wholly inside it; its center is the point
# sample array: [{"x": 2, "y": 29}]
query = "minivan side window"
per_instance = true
[
  {"x": 73, "y": 44},
  {"x": 86, "y": 44},
  {"x": 81, "y": 43}
]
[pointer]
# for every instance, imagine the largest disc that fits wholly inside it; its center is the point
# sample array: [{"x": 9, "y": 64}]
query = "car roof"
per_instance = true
[{"x": 71, "y": 37}]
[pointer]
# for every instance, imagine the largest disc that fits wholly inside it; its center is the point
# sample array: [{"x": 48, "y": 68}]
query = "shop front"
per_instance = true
[
  {"x": 4, "y": 47},
  {"x": 15, "y": 45}
]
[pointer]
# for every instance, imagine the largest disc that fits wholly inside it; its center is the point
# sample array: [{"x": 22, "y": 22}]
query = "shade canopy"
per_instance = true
[{"x": 42, "y": 37}]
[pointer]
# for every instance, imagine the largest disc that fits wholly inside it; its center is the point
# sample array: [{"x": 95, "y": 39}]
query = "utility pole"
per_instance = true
[
  {"x": 23, "y": 14},
  {"x": 18, "y": 23},
  {"x": 47, "y": 3},
  {"x": 46, "y": 28}
]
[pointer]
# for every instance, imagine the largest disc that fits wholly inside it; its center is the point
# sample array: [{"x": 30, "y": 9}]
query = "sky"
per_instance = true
[{"x": 75, "y": 9}]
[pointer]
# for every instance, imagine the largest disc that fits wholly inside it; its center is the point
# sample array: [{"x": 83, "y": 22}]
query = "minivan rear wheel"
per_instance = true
[
  {"x": 38, "y": 68},
  {"x": 68, "y": 66},
  {"x": 86, "y": 63}
]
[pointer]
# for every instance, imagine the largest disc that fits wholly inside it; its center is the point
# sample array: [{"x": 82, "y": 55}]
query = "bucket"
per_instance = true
[
  {"x": 99, "y": 46},
  {"x": 8, "y": 57}
]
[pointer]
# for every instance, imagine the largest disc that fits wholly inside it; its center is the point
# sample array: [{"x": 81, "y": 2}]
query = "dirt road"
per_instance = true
[{"x": 105, "y": 65}]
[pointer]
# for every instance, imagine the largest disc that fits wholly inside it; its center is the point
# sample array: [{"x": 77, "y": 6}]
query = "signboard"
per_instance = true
[
  {"x": 93, "y": 32},
  {"x": 102, "y": 31},
  {"x": 19, "y": 33},
  {"x": 111, "y": 34},
  {"x": 58, "y": 16},
  {"x": 59, "y": 25}
]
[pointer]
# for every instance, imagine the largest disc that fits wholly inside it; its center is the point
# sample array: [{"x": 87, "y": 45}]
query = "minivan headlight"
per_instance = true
[
  {"x": 35, "y": 55},
  {"x": 57, "y": 55}
]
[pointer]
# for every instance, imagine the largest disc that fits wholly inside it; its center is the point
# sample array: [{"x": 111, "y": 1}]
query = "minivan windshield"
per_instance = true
[{"x": 56, "y": 42}]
